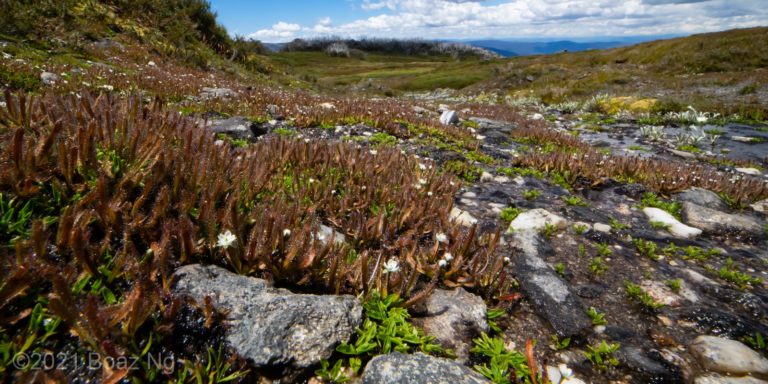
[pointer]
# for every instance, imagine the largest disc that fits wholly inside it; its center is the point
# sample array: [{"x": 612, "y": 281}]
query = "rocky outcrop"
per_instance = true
[
  {"x": 550, "y": 296},
  {"x": 270, "y": 326}
]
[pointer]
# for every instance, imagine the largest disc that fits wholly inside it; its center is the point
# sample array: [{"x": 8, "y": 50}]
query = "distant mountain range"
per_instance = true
[
  {"x": 526, "y": 47},
  {"x": 523, "y": 48}
]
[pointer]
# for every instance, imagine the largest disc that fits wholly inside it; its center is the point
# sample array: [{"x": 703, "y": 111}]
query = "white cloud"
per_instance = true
[
  {"x": 530, "y": 18},
  {"x": 279, "y": 31}
]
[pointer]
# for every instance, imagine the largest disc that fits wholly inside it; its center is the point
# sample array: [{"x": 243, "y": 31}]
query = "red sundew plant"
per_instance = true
[{"x": 110, "y": 195}]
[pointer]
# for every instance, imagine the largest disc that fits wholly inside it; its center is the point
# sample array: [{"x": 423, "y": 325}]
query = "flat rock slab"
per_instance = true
[
  {"x": 270, "y": 326},
  {"x": 702, "y": 197},
  {"x": 418, "y": 369},
  {"x": 550, "y": 295},
  {"x": 722, "y": 355},
  {"x": 454, "y": 318},
  {"x": 714, "y": 221}
]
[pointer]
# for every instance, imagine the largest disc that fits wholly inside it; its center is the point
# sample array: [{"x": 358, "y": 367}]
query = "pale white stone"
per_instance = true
[
  {"x": 723, "y": 355},
  {"x": 600, "y": 227},
  {"x": 462, "y": 217},
  {"x": 486, "y": 177},
  {"x": 535, "y": 220},
  {"x": 449, "y": 117},
  {"x": 675, "y": 227},
  {"x": 750, "y": 171}
]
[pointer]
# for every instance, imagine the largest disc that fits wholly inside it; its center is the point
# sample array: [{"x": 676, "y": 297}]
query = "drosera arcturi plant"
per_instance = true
[
  {"x": 576, "y": 159},
  {"x": 162, "y": 193}
]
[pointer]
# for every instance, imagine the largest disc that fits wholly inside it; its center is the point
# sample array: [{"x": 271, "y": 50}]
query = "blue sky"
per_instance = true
[{"x": 284, "y": 20}]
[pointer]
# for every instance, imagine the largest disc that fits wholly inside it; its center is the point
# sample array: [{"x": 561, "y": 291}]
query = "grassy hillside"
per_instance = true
[
  {"x": 122, "y": 34},
  {"x": 724, "y": 67},
  {"x": 723, "y": 72},
  {"x": 383, "y": 72}
]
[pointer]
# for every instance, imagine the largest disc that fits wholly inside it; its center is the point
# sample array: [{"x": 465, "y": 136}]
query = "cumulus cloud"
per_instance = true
[
  {"x": 281, "y": 30},
  {"x": 530, "y": 18}
]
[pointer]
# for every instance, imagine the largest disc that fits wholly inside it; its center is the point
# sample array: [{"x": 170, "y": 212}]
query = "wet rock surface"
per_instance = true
[
  {"x": 268, "y": 326},
  {"x": 418, "y": 369}
]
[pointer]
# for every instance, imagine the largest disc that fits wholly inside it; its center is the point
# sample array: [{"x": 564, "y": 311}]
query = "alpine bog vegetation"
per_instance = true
[{"x": 123, "y": 191}]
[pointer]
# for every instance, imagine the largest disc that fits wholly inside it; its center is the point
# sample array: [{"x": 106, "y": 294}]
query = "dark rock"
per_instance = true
[
  {"x": 661, "y": 237},
  {"x": 272, "y": 327},
  {"x": 721, "y": 323},
  {"x": 590, "y": 291},
  {"x": 587, "y": 214},
  {"x": 550, "y": 296},
  {"x": 618, "y": 333},
  {"x": 454, "y": 318},
  {"x": 418, "y": 368},
  {"x": 703, "y": 197},
  {"x": 634, "y": 191},
  {"x": 649, "y": 368}
]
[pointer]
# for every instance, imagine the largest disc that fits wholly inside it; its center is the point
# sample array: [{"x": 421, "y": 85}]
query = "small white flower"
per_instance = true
[
  {"x": 391, "y": 266},
  {"x": 441, "y": 238},
  {"x": 448, "y": 256},
  {"x": 333, "y": 192},
  {"x": 429, "y": 193},
  {"x": 442, "y": 263},
  {"x": 507, "y": 260},
  {"x": 373, "y": 152},
  {"x": 311, "y": 180},
  {"x": 422, "y": 167},
  {"x": 226, "y": 239},
  {"x": 565, "y": 371},
  {"x": 286, "y": 232},
  {"x": 422, "y": 181}
]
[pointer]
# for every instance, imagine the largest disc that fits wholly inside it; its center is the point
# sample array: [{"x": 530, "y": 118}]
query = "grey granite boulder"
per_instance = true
[
  {"x": 418, "y": 368},
  {"x": 454, "y": 318},
  {"x": 270, "y": 326},
  {"x": 716, "y": 222}
]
